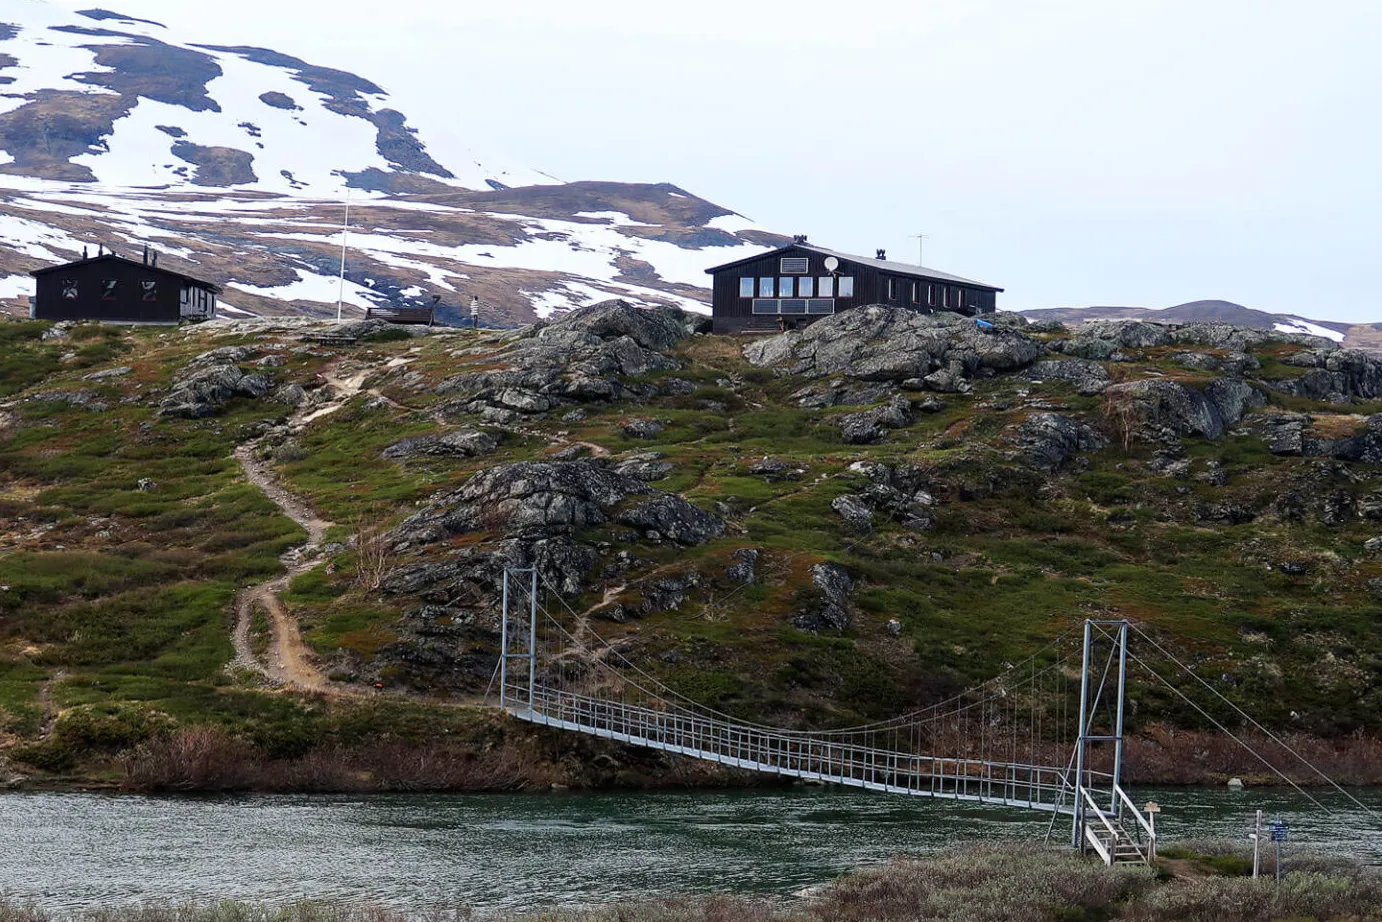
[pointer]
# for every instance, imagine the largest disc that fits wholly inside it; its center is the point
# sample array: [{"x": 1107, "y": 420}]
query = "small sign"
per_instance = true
[
  {"x": 1279, "y": 831},
  {"x": 1152, "y": 807}
]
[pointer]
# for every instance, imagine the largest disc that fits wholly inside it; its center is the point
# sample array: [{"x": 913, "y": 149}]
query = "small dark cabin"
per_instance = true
[
  {"x": 114, "y": 289},
  {"x": 801, "y": 283}
]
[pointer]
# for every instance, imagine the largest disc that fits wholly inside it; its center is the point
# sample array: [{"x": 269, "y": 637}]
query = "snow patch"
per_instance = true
[
  {"x": 16, "y": 286},
  {"x": 1297, "y": 325}
]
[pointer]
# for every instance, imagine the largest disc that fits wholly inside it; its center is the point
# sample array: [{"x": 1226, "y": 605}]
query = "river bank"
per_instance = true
[
  {"x": 1009, "y": 883},
  {"x": 483, "y": 750}
]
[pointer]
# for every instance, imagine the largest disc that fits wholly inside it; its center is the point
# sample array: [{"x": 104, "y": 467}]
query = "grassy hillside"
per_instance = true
[{"x": 127, "y": 533}]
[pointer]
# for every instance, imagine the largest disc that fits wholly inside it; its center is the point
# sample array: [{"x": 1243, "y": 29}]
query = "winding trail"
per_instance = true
[{"x": 289, "y": 661}]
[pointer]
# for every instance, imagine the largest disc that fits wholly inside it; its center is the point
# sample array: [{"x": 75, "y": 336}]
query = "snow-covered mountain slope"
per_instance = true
[
  {"x": 236, "y": 164},
  {"x": 1363, "y": 335}
]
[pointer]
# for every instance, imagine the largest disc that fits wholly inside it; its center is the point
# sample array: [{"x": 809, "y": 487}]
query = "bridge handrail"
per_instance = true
[
  {"x": 1132, "y": 808},
  {"x": 1015, "y": 783}
]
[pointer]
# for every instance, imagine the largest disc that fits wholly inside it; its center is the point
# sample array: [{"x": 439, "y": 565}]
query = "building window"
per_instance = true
[
  {"x": 806, "y": 287},
  {"x": 110, "y": 289},
  {"x": 955, "y": 298},
  {"x": 765, "y": 305},
  {"x": 820, "y": 306},
  {"x": 930, "y": 294},
  {"x": 784, "y": 287},
  {"x": 746, "y": 288},
  {"x": 69, "y": 289},
  {"x": 960, "y": 297},
  {"x": 766, "y": 288},
  {"x": 795, "y": 265},
  {"x": 827, "y": 287},
  {"x": 847, "y": 286},
  {"x": 793, "y": 306},
  {"x": 148, "y": 291},
  {"x": 945, "y": 296},
  {"x": 916, "y": 292},
  {"x": 891, "y": 288}
]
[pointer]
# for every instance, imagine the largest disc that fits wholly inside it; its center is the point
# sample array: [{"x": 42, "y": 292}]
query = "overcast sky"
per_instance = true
[{"x": 1075, "y": 152}]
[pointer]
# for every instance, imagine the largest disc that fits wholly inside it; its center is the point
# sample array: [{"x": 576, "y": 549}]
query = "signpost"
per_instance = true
[
  {"x": 1256, "y": 836},
  {"x": 1152, "y": 809},
  {"x": 1279, "y": 833}
]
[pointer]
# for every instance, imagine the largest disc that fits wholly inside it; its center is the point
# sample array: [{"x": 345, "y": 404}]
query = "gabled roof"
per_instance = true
[
  {"x": 887, "y": 265},
  {"x": 111, "y": 257}
]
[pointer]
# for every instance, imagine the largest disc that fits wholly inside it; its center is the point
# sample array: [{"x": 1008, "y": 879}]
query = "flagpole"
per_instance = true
[{"x": 345, "y": 236}]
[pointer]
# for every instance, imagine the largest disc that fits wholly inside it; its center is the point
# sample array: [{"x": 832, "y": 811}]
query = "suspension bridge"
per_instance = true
[{"x": 1046, "y": 735}]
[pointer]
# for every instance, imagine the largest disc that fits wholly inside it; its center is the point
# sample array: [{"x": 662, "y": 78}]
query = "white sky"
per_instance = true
[{"x": 1141, "y": 152}]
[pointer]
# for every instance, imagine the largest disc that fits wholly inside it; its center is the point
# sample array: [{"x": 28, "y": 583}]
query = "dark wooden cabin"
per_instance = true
[
  {"x": 801, "y": 283},
  {"x": 114, "y": 289}
]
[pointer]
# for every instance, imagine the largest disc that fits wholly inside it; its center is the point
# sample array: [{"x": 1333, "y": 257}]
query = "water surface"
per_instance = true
[{"x": 492, "y": 851}]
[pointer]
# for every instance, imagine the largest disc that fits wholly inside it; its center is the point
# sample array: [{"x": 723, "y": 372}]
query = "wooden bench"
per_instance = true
[{"x": 418, "y": 315}]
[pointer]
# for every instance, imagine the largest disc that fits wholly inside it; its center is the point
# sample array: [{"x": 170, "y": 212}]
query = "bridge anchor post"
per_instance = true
[{"x": 509, "y": 633}]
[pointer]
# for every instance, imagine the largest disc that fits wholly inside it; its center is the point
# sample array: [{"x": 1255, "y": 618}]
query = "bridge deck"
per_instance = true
[{"x": 824, "y": 757}]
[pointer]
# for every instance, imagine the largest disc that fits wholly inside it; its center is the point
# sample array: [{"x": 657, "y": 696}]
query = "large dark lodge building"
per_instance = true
[
  {"x": 114, "y": 289},
  {"x": 798, "y": 284}
]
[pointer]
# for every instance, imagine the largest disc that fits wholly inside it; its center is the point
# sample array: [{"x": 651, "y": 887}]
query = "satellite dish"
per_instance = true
[{"x": 831, "y": 264}]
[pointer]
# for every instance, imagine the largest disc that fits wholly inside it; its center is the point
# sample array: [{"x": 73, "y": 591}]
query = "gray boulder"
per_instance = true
[
  {"x": 1048, "y": 440},
  {"x": 829, "y": 610},
  {"x": 774, "y": 470},
  {"x": 1233, "y": 398},
  {"x": 81, "y": 399},
  {"x": 854, "y": 511},
  {"x": 871, "y": 425},
  {"x": 647, "y": 466},
  {"x": 879, "y": 343},
  {"x": 671, "y": 517},
  {"x": 1087, "y": 377},
  {"x": 744, "y": 569},
  {"x": 204, "y": 392},
  {"x": 643, "y": 429},
  {"x": 466, "y": 443},
  {"x": 1169, "y": 404},
  {"x": 537, "y": 499}
]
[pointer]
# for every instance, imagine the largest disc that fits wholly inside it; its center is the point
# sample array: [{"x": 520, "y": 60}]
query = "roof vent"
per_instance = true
[
  {"x": 798, "y": 238},
  {"x": 882, "y": 254}
]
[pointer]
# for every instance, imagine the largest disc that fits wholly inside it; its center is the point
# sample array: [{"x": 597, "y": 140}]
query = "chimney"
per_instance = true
[
  {"x": 882, "y": 254},
  {"x": 799, "y": 238},
  {"x": 154, "y": 259},
  {"x": 84, "y": 252},
  {"x": 146, "y": 254},
  {"x": 100, "y": 249}
]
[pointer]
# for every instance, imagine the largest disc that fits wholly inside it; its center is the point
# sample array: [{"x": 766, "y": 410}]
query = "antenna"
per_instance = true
[
  {"x": 921, "y": 247},
  {"x": 345, "y": 236}
]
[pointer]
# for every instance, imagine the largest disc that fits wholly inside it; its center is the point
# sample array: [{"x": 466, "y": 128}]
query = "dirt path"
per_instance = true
[{"x": 289, "y": 662}]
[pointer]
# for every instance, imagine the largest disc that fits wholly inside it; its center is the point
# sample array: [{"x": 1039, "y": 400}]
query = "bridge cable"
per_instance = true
[
  {"x": 892, "y": 721},
  {"x": 1273, "y": 737},
  {"x": 1227, "y": 732}
]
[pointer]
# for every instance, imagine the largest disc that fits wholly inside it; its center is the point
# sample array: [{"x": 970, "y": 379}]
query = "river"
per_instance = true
[{"x": 67, "y": 851}]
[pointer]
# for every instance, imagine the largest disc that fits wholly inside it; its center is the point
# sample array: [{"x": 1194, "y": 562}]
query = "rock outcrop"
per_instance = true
[
  {"x": 828, "y": 609},
  {"x": 1048, "y": 440},
  {"x": 877, "y": 343},
  {"x": 466, "y": 443},
  {"x": 207, "y": 389}
]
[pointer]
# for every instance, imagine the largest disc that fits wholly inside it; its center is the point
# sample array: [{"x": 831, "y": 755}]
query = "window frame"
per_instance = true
[
  {"x": 825, "y": 286},
  {"x": 787, "y": 287},
  {"x": 74, "y": 287},
  {"x": 843, "y": 282},
  {"x": 806, "y": 286},
  {"x": 751, "y": 284},
  {"x": 110, "y": 289},
  {"x": 767, "y": 286},
  {"x": 803, "y": 261},
  {"x": 148, "y": 291}
]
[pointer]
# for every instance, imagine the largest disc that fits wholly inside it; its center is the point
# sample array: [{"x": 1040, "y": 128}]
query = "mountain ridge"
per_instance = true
[
  {"x": 1214, "y": 310},
  {"x": 237, "y": 163}
]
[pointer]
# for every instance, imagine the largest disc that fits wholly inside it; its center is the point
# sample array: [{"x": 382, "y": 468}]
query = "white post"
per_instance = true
[
  {"x": 345, "y": 236},
  {"x": 1257, "y": 846}
]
